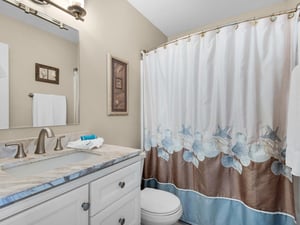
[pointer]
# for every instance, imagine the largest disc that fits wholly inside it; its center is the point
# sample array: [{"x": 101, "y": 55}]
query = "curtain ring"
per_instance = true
[
  {"x": 189, "y": 38},
  {"x": 202, "y": 34},
  {"x": 236, "y": 26},
  {"x": 291, "y": 15},
  {"x": 176, "y": 42},
  {"x": 254, "y": 22},
  {"x": 273, "y": 18},
  {"x": 165, "y": 46},
  {"x": 218, "y": 30}
]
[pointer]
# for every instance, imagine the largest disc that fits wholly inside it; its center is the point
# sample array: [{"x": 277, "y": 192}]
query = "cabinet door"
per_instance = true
[
  {"x": 126, "y": 211},
  {"x": 63, "y": 210}
]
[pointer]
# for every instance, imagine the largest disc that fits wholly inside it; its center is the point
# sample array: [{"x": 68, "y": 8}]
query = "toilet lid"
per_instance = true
[{"x": 159, "y": 202}]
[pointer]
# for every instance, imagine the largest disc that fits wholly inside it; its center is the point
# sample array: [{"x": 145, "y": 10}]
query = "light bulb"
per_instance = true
[{"x": 77, "y": 2}]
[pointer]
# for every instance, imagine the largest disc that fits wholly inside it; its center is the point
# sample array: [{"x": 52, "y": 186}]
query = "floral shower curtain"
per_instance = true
[{"x": 215, "y": 111}]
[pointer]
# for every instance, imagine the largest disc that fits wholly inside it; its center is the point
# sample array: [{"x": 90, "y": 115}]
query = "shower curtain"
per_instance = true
[{"x": 215, "y": 111}]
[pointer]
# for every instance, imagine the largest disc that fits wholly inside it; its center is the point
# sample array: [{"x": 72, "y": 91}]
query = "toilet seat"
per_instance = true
[{"x": 159, "y": 207}]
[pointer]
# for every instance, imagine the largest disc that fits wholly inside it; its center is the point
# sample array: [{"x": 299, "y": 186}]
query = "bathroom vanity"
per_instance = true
[{"x": 102, "y": 188}]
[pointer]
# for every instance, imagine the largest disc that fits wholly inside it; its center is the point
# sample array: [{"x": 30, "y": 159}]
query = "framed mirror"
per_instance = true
[{"x": 32, "y": 41}]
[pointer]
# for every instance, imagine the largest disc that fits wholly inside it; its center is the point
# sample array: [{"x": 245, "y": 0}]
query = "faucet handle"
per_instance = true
[
  {"x": 59, "y": 146},
  {"x": 20, "y": 150}
]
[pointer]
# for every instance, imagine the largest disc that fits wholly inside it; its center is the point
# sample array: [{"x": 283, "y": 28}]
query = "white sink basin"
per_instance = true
[{"x": 39, "y": 167}]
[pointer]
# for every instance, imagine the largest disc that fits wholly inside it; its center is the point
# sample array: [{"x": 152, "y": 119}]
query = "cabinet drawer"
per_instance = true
[
  {"x": 126, "y": 211},
  {"x": 114, "y": 186}
]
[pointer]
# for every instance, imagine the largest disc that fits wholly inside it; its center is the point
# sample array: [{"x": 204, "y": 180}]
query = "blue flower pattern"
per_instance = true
[
  {"x": 238, "y": 155},
  {"x": 186, "y": 131},
  {"x": 279, "y": 168},
  {"x": 230, "y": 162},
  {"x": 271, "y": 134},
  {"x": 240, "y": 149},
  {"x": 163, "y": 154},
  {"x": 198, "y": 148},
  {"x": 189, "y": 156},
  {"x": 223, "y": 133},
  {"x": 236, "y": 152}
]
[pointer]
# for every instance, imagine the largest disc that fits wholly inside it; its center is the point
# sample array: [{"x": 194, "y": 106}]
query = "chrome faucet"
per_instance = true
[{"x": 40, "y": 145}]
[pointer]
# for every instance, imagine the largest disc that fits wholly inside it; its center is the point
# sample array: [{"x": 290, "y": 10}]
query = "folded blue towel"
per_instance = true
[{"x": 88, "y": 137}]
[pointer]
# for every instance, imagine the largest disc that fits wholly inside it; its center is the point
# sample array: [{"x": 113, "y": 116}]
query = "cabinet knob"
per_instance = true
[
  {"x": 85, "y": 206},
  {"x": 122, "y": 184},
  {"x": 122, "y": 221}
]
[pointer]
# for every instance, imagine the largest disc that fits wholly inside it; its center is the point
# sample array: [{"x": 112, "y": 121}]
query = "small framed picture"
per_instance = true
[
  {"x": 117, "y": 86},
  {"x": 46, "y": 74}
]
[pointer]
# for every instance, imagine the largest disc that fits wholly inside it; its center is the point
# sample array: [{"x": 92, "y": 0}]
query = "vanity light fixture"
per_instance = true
[
  {"x": 75, "y": 8},
  {"x": 36, "y": 13}
]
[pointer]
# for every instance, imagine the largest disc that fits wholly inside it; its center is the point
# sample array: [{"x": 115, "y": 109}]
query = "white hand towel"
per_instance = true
[
  {"x": 49, "y": 110},
  {"x": 42, "y": 108},
  {"x": 293, "y": 125}
]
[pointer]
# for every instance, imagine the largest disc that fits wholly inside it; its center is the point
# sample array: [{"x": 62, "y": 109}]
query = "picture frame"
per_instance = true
[
  {"x": 46, "y": 73},
  {"x": 117, "y": 86}
]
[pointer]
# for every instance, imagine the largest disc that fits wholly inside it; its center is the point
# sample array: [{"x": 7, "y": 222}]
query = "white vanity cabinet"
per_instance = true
[
  {"x": 110, "y": 196},
  {"x": 64, "y": 209}
]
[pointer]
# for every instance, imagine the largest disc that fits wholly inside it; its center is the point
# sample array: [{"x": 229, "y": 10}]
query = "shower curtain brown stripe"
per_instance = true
[{"x": 257, "y": 186}]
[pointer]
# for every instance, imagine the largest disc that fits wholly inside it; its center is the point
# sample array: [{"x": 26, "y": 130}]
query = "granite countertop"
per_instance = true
[{"x": 14, "y": 188}]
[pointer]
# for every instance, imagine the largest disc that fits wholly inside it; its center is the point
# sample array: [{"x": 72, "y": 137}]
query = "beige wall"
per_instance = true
[
  {"x": 110, "y": 26},
  {"x": 286, "y": 5},
  {"x": 37, "y": 46}
]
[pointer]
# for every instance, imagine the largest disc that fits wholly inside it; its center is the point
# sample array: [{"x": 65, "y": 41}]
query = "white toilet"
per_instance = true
[{"x": 159, "y": 207}]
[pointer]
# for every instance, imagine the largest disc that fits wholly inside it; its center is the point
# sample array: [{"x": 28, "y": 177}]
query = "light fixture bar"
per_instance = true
[
  {"x": 35, "y": 12},
  {"x": 74, "y": 10}
]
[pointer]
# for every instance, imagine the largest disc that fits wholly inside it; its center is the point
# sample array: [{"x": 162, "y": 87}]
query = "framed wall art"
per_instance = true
[
  {"x": 46, "y": 74},
  {"x": 117, "y": 86}
]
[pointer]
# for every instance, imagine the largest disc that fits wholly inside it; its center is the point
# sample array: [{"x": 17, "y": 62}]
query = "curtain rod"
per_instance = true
[{"x": 290, "y": 13}]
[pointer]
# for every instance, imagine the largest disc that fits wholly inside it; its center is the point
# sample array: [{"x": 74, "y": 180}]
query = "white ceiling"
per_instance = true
[{"x": 173, "y": 17}]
